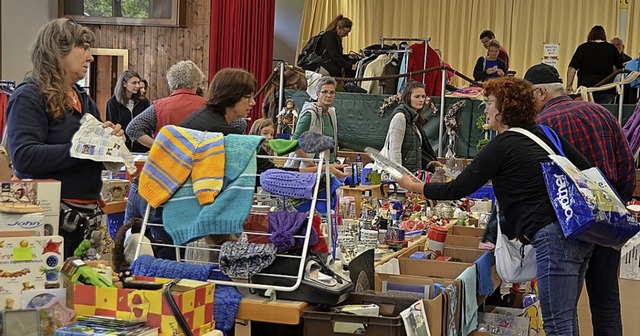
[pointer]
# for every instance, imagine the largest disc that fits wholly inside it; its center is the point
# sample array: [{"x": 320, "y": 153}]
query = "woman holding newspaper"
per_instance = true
[
  {"x": 44, "y": 113},
  {"x": 512, "y": 161}
]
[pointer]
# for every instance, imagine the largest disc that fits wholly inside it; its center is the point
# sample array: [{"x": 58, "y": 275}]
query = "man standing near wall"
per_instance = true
[
  {"x": 605, "y": 147},
  {"x": 488, "y": 35}
]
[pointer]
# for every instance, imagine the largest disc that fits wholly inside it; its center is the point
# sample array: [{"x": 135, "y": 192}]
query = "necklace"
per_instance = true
[{"x": 72, "y": 95}]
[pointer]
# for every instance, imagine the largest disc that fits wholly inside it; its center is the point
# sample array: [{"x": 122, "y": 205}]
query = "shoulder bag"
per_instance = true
[{"x": 586, "y": 205}]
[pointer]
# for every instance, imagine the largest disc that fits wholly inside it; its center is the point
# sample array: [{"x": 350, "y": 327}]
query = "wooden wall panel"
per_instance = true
[{"x": 152, "y": 50}]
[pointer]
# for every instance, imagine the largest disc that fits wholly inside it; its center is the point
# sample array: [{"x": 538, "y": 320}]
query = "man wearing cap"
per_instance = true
[{"x": 594, "y": 131}]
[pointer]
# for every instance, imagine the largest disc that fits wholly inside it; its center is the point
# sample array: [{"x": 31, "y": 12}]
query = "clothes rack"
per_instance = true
[
  {"x": 426, "y": 41},
  {"x": 270, "y": 290}
]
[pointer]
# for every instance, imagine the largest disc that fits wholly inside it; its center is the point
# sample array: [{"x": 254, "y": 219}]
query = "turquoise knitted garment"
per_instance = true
[{"x": 186, "y": 220}]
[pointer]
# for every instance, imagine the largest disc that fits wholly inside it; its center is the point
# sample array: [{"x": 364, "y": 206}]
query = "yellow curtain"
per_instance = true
[
  {"x": 454, "y": 26},
  {"x": 565, "y": 22},
  {"x": 632, "y": 41}
]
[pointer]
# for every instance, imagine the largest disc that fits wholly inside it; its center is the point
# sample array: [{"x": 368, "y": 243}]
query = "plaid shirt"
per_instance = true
[{"x": 594, "y": 131}]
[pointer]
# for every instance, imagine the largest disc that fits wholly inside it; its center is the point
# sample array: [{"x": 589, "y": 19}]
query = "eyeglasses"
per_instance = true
[
  {"x": 487, "y": 103},
  {"x": 328, "y": 93},
  {"x": 248, "y": 97},
  {"x": 537, "y": 89}
]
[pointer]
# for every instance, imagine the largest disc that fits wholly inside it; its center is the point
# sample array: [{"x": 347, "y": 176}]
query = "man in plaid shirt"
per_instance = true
[{"x": 594, "y": 131}]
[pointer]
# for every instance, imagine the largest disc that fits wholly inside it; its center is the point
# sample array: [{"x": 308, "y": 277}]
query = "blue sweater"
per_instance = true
[{"x": 39, "y": 145}]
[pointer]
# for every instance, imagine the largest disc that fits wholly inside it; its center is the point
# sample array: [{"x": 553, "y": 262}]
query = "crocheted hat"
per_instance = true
[
  {"x": 288, "y": 183},
  {"x": 244, "y": 259},
  {"x": 312, "y": 142},
  {"x": 284, "y": 225},
  {"x": 283, "y": 146},
  {"x": 321, "y": 200}
]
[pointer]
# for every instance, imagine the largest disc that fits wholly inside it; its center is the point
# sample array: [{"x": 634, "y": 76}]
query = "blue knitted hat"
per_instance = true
[
  {"x": 185, "y": 220},
  {"x": 288, "y": 183},
  {"x": 321, "y": 201}
]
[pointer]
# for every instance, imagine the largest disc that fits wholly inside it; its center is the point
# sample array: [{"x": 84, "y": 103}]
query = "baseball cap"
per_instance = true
[{"x": 542, "y": 74}]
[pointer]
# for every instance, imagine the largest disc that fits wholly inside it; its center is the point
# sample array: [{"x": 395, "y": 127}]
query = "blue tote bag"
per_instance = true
[{"x": 585, "y": 204}]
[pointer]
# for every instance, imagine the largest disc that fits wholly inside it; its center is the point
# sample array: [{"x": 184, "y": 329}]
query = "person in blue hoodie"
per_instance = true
[{"x": 43, "y": 114}]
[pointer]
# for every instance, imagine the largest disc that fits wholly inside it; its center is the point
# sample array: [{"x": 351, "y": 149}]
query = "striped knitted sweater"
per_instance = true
[{"x": 178, "y": 153}]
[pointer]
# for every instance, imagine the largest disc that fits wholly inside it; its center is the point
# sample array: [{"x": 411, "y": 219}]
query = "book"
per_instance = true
[
  {"x": 415, "y": 320},
  {"x": 106, "y": 326}
]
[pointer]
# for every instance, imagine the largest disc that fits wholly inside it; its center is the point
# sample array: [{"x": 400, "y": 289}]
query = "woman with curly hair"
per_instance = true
[
  {"x": 44, "y": 113},
  {"x": 512, "y": 162}
]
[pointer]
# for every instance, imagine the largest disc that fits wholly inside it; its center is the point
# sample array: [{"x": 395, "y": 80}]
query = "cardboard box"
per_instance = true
[
  {"x": 31, "y": 224},
  {"x": 436, "y": 307},
  {"x": 462, "y": 241},
  {"x": 532, "y": 317},
  {"x": 45, "y": 193},
  {"x": 194, "y": 298},
  {"x": 28, "y": 263},
  {"x": 470, "y": 231}
]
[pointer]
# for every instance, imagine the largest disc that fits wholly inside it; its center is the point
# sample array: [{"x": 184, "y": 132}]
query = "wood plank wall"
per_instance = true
[{"x": 153, "y": 50}]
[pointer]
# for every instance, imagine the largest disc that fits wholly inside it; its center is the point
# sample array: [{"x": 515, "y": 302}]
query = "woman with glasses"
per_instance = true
[
  {"x": 407, "y": 142},
  {"x": 44, "y": 113},
  {"x": 230, "y": 98},
  {"x": 512, "y": 162},
  {"x": 318, "y": 116}
]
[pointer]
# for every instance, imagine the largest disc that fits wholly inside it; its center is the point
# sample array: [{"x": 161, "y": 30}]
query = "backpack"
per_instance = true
[
  {"x": 310, "y": 57},
  {"x": 634, "y": 65}
]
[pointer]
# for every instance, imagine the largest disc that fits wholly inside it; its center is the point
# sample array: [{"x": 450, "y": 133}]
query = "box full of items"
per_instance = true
[
  {"x": 374, "y": 314},
  {"x": 30, "y": 207},
  {"x": 158, "y": 302}
]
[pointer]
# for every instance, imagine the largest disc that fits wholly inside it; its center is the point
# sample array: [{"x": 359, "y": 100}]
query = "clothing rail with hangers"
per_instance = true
[
  {"x": 376, "y": 52},
  {"x": 270, "y": 290},
  {"x": 426, "y": 41}
]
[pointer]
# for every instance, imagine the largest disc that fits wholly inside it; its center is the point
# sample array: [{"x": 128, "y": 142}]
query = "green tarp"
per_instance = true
[{"x": 360, "y": 126}]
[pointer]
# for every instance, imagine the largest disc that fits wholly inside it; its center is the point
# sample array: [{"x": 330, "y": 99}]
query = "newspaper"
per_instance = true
[{"x": 94, "y": 142}]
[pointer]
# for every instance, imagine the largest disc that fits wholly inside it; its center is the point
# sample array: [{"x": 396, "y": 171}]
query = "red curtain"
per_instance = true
[{"x": 242, "y": 36}]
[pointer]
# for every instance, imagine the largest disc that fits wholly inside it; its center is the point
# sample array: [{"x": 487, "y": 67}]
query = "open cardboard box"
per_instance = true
[
  {"x": 436, "y": 307},
  {"x": 470, "y": 231},
  {"x": 462, "y": 241}
]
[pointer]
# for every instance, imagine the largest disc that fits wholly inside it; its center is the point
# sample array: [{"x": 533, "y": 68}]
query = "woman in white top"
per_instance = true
[{"x": 406, "y": 140}]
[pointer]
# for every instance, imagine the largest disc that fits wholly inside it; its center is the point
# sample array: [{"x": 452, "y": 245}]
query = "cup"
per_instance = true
[
  {"x": 365, "y": 178},
  {"x": 375, "y": 178}
]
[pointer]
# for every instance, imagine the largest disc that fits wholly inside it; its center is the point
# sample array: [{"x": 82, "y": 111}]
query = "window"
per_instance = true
[{"x": 125, "y": 12}]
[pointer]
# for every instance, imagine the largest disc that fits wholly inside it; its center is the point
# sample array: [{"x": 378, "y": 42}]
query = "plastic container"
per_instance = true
[
  {"x": 114, "y": 222},
  {"x": 317, "y": 322},
  {"x": 435, "y": 239}
]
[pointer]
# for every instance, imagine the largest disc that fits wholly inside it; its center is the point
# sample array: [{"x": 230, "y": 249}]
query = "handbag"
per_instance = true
[
  {"x": 515, "y": 262},
  {"x": 585, "y": 204},
  {"x": 74, "y": 215}
]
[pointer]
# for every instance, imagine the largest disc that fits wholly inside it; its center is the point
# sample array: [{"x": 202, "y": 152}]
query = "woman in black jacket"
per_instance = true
[
  {"x": 331, "y": 40},
  {"x": 127, "y": 103}
]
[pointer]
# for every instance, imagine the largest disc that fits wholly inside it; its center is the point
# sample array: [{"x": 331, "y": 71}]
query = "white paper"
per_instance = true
[
  {"x": 415, "y": 320},
  {"x": 94, "y": 142}
]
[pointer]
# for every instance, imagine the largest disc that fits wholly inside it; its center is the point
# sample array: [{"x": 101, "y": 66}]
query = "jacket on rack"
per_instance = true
[
  {"x": 120, "y": 114},
  {"x": 432, "y": 80}
]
